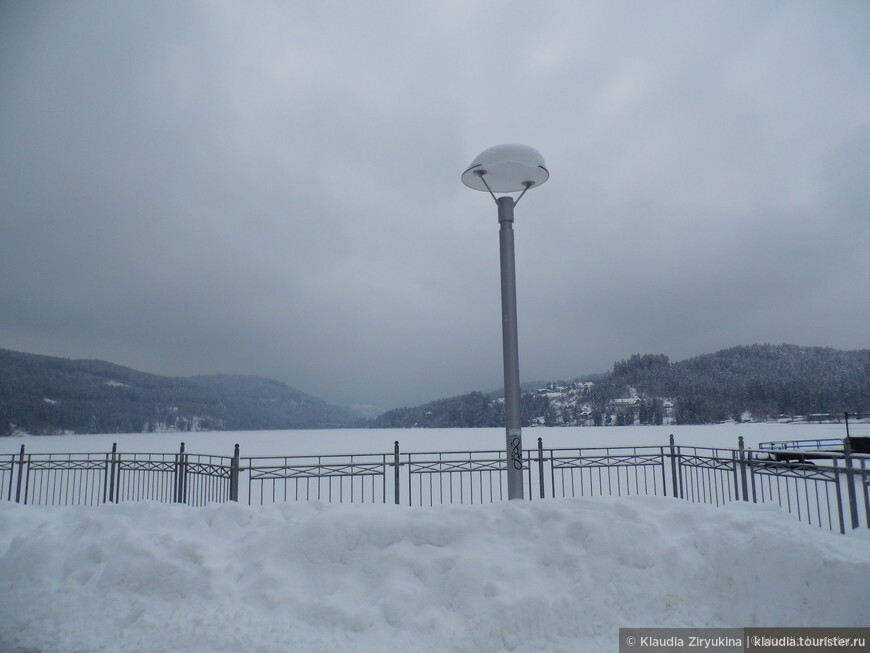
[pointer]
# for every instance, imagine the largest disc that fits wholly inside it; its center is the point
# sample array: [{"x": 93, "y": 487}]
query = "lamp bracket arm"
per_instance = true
[
  {"x": 528, "y": 185},
  {"x": 482, "y": 175}
]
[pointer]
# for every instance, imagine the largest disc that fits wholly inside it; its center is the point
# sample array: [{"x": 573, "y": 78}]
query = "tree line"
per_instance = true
[
  {"x": 758, "y": 381},
  {"x": 765, "y": 381}
]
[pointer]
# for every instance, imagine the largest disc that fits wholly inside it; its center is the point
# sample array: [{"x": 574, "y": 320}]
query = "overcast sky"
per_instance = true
[{"x": 272, "y": 188}]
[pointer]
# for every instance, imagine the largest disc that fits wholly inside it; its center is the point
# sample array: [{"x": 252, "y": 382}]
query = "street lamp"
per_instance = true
[{"x": 509, "y": 169}]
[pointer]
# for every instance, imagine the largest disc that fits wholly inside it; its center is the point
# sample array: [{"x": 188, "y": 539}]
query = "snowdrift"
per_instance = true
[{"x": 556, "y": 575}]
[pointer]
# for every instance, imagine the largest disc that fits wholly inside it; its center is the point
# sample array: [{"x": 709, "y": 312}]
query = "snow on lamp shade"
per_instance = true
[{"x": 507, "y": 168}]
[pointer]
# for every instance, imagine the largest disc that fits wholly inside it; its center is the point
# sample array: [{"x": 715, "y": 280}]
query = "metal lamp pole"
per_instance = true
[
  {"x": 510, "y": 347},
  {"x": 509, "y": 168}
]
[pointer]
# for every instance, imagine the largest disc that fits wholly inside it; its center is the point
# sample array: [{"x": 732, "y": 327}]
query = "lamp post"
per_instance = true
[{"x": 508, "y": 169}]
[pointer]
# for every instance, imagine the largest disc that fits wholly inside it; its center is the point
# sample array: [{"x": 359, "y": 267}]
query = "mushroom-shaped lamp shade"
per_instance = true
[{"x": 507, "y": 168}]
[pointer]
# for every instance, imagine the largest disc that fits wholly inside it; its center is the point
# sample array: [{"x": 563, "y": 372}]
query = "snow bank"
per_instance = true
[{"x": 556, "y": 575}]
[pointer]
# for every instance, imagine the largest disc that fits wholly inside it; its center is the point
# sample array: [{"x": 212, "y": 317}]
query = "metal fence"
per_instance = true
[
  {"x": 826, "y": 489},
  {"x": 94, "y": 478}
]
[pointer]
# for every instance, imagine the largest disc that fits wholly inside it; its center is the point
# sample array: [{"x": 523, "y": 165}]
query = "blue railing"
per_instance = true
[{"x": 825, "y": 444}]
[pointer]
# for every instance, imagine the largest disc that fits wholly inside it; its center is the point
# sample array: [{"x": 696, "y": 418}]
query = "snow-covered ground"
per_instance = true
[
  {"x": 554, "y": 575},
  {"x": 559, "y": 575}
]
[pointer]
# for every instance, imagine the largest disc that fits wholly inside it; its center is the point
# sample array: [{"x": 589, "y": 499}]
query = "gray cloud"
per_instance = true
[{"x": 273, "y": 188}]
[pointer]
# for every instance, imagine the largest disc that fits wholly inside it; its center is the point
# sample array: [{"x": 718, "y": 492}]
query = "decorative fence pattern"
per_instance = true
[
  {"x": 350, "y": 478},
  {"x": 825, "y": 489}
]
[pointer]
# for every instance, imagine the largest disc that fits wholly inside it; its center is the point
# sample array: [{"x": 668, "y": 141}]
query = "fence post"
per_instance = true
[
  {"x": 20, "y": 472},
  {"x": 540, "y": 466},
  {"x": 529, "y": 474},
  {"x": 742, "y": 454},
  {"x": 181, "y": 476},
  {"x": 107, "y": 475},
  {"x": 865, "y": 484},
  {"x": 839, "y": 496},
  {"x": 111, "y": 459},
  {"x": 396, "y": 471},
  {"x": 752, "y": 477},
  {"x": 850, "y": 479},
  {"x": 673, "y": 467},
  {"x": 234, "y": 475}
]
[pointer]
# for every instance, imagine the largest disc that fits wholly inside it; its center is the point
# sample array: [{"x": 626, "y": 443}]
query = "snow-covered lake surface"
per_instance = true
[
  {"x": 556, "y": 575},
  {"x": 341, "y": 441}
]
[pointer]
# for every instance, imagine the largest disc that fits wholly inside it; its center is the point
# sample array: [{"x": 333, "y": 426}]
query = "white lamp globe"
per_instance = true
[{"x": 506, "y": 169}]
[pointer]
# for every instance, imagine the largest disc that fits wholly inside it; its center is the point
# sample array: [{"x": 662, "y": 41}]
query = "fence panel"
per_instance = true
[
  {"x": 204, "y": 479},
  {"x": 813, "y": 491},
  {"x": 144, "y": 477},
  {"x": 456, "y": 477},
  {"x": 708, "y": 475},
  {"x": 194, "y": 479},
  {"x": 61, "y": 479},
  {"x": 608, "y": 471},
  {"x": 353, "y": 478}
]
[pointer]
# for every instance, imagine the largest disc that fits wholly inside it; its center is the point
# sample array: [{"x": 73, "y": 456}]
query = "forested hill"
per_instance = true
[
  {"x": 765, "y": 381},
  {"x": 758, "y": 382},
  {"x": 47, "y": 395}
]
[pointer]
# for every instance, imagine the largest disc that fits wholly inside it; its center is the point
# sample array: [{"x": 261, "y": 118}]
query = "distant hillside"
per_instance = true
[
  {"x": 47, "y": 395},
  {"x": 759, "y": 382},
  {"x": 471, "y": 410}
]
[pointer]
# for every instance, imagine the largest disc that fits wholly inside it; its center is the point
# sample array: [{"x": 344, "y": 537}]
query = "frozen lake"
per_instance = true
[{"x": 346, "y": 441}]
